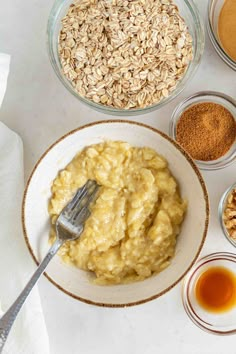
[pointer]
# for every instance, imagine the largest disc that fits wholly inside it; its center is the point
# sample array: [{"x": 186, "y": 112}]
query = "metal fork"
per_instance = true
[{"x": 69, "y": 226}]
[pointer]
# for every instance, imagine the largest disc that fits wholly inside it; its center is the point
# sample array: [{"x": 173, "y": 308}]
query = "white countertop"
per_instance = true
[{"x": 40, "y": 109}]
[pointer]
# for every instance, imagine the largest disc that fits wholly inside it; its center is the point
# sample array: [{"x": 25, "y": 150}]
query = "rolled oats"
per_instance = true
[{"x": 125, "y": 54}]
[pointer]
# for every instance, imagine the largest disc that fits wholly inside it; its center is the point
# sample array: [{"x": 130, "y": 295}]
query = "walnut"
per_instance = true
[{"x": 229, "y": 214}]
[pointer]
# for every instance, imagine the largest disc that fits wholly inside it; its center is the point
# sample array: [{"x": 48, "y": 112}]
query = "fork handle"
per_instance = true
[{"x": 9, "y": 317}]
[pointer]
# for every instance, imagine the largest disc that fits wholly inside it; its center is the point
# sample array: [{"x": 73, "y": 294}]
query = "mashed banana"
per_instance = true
[{"x": 136, "y": 218}]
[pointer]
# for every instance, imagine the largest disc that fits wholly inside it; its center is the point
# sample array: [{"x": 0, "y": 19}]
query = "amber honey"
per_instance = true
[{"x": 215, "y": 289}]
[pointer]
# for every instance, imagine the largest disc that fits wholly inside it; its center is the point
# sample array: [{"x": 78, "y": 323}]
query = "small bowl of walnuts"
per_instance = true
[
  {"x": 227, "y": 214},
  {"x": 125, "y": 57}
]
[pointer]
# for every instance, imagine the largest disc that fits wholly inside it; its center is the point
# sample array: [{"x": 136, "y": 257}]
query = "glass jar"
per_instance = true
[
  {"x": 216, "y": 323},
  {"x": 200, "y": 97},
  {"x": 214, "y": 8},
  {"x": 221, "y": 209}
]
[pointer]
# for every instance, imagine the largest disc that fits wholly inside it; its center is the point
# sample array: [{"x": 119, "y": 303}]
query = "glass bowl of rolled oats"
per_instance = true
[
  {"x": 227, "y": 214},
  {"x": 125, "y": 57}
]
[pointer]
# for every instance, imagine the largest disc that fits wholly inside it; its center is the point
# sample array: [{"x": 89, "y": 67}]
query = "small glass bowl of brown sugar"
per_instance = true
[
  {"x": 209, "y": 293},
  {"x": 204, "y": 124},
  {"x": 221, "y": 28},
  {"x": 227, "y": 214}
]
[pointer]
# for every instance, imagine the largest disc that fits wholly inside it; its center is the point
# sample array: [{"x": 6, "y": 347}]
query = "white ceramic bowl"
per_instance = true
[{"x": 36, "y": 221}]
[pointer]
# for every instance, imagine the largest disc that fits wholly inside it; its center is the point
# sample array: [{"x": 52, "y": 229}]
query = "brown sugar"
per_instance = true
[{"x": 206, "y": 131}]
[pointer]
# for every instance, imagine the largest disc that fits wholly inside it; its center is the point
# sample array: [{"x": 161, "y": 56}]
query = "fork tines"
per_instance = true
[{"x": 81, "y": 200}]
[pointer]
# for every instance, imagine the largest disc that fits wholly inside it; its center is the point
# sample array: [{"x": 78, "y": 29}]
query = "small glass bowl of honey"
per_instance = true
[{"x": 209, "y": 293}]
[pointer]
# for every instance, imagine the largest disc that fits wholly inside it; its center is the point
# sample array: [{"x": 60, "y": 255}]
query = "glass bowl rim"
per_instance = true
[
  {"x": 229, "y": 256},
  {"x": 221, "y": 210},
  {"x": 204, "y": 165},
  {"x": 191, "y": 70},
  {"x": 216, "y": 44}
]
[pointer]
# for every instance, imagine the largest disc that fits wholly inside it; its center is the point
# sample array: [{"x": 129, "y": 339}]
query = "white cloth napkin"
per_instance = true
[{"x": 28, "y": 334}]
